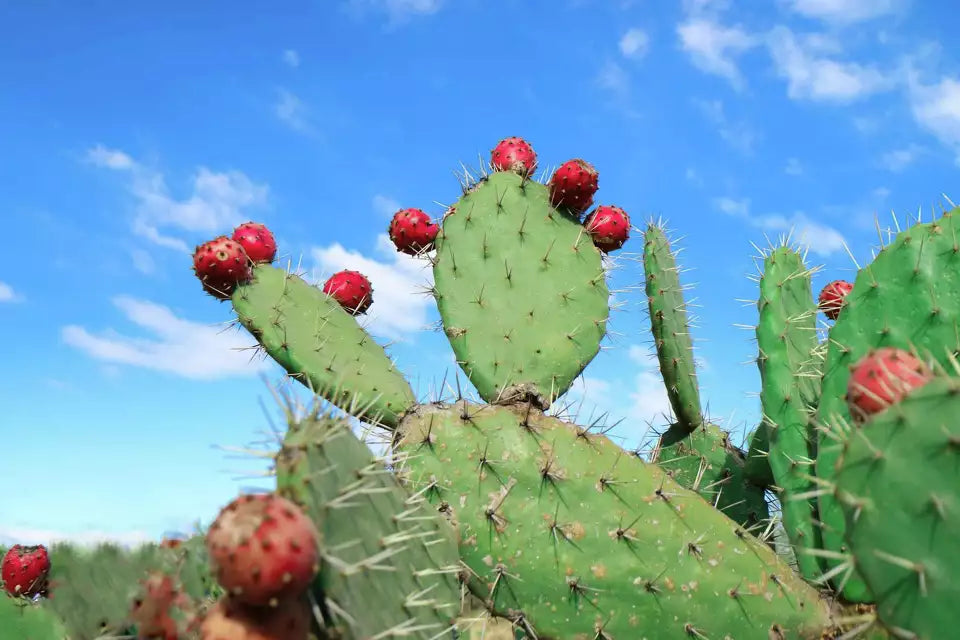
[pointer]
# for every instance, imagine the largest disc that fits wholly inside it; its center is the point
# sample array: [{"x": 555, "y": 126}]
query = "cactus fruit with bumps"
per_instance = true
[
  {"x": 25, "y": 570},
  {"x": 560, "y": 530}
]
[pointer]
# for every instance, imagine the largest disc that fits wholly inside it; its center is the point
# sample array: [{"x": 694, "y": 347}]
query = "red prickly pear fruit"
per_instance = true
[
  {"x": 609, "y": 226},
  {"x": 573, "y": 185},
  {"x": 257, "y": 241},
  {"x": 263, "y": 548},
  {"x": 412, "y": 231},
  {"x": 220, "y": 264},
  {"x": 24, "y": 570},
  {"x": 882, "y": 378},
  {"x": 351, "y": 289},
  {"x": 832, "y": 297},
  {"x": 514, "y": 154},
  {"x": 229, "y": 620}
]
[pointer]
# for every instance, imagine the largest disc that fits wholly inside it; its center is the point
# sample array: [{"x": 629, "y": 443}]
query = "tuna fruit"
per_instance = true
[
  {"x": 24, "y": 570},
  {"x": 220, "y": 264},
  {"x": 609, "y": 226},
  {"x": 514, "y": 154},
  {"x": 882, "y": 378},
  {"x": 229, "y": 620},
  {"x": 832, "y": 297},
  {"x": 412, "y": 231},
  {"x": 351, "y": 289},
  {"x": 263, "y": 549},
  {"x": 257, "y": 241},
  {"x": 573, "y": 184}
]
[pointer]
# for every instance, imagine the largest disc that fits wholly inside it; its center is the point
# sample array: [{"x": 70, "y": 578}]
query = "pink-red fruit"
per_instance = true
[
  {"x": 257, "y": 241},
  {"x": 351, "y": 289},
  {"x": 573, "y": 185},
  {"x": 882, "y": 378},
  {"x": 514, "y": 154},
  {"x": 228, "y": 620},
  {"x": 24, "y": 570},
  {"x": 263, "y": 548},
  {"x": 412, "y": 231},
  {"x": 609, "y": 226},
  {"x": 832, "y": 297},
  {"x": 220, "y": 264}
]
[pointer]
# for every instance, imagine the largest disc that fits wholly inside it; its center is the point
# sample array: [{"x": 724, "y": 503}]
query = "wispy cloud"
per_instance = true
[
  {"x": 793, "y": 167},
  {"x": 292, "y": 111},
  {"x": 739, "y": 135},
  {"x": 178, "y": 346},
  {"x": 27, "y": 536},
  {"x": 613, "y": 77},
  {"x": 635, "y": 43},
  {"x": 399, "y": 303},
  {"x": 7, "y": 294},
  {"x": 899, "y": 159},
  {"x": 397, "y": 11},
  {"x": 715, "y": 48},
  {"x": 845, "y": 12},
  {"x": 821, "y": 239},
  {"x": 385, "y": 205},
  {"x": 936, "y": 108},
  {"x": 217, "y": 200},
  {"x": 291, "y": 58}
]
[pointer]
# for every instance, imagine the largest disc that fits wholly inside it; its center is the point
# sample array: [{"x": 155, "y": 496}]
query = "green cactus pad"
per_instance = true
[
  {"x": 756, "y": 468},
  {"x": 706, "y": 462},
  {"x": 24, "y": 620},
  {"x": 670, "y": 328},
  {"x": 320, "y": 344},
  {"x": 566, "y": 532},
  {"x": 521, "y": 291},
  {"x": 907, "y": 297},
  {"x": 786, "y": 338},
  {"x": 899, "y": 485},
  {"x": 390, "y": 564}
]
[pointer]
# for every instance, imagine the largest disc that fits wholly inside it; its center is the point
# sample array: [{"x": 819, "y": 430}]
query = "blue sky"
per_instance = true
[{"x": 133, "y": 131}]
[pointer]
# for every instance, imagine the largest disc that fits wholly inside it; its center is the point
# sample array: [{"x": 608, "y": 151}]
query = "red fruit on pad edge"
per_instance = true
[
  {"x": 24, "y": 570},
  {"x": 257, "y": 241},
  {"x": 351, "y": 289},
  {"x": 221, "y": 264},
  {"x": 514, "y": 154},
  {"x": 263, "y": 548},
  {"x": 882, "y": 378},
  {"x": 609, "y": 226},
  {"x": 412, "y": 231},
  {"x": 573, "y": 185},
  {"x": 832, "y": 298}
]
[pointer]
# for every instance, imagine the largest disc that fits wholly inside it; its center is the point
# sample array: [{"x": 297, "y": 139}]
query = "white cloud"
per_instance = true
[
  {"x": 399, "y": 304},
  {"x": 613, "y": 77},
  {"x": 714, "y": 48},
  {"x": 844, "y": 11},
  {"x": 385, "y": 205},
  {"x": 7, "y": 294},
  {"x": 819, "y": 238},
  {"x": 181, "y": 347},
  {"x": 291, "y": 58},
  {"x": 635, "y": 43},
  {"x": 899, "y": 159},
  {"x": 733, "y": 207},
  {"x": 738, "y": 135},
  {"x": 936, "y": 108},
  {"x": 398, "y": 10},
  {"x": 218, "y": 199},
  {"x": 693, "y": 176},
  {"x": 10, "y": 536},
  {"x": 293, "y": 112},
  {"x": 793, "y": 168},
  {"x": 810, "y": 75}
]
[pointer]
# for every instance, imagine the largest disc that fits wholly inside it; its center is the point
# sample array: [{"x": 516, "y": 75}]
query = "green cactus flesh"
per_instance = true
[
  {"x": 756, "y": 468},
  {"x": 24, "y": 620},
  {"x": 786, "y": 338},
  {"x": 521, "y": 290},
  {"x": 320, "y": 344},
  {"x": 899, "y": 484},
  {"x": 907, "y": 297},
  {"x": 705, "y": 461},
  {"x": 564, "y": 531},
  {"x": 670, "y": 328},
  {"x": 390, "y": 564}
]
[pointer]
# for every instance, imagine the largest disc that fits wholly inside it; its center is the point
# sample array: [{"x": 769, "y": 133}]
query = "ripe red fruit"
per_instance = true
[
  {"x": 412, "y": 231},
  {"x": 151, "y": 608},
  {"x": 609, "y": 226},
  {"x": 351, "y": 289},
  {"x": 573, "y": 184},
  {"x": 220, "y": 264},
  {"x": 228, "y": 619},
  {"x": 882, "y": 378},
  {"x": 832, "y": 298},
  {"x": 257, "y": 241},
  {"x": 263, "y": 548},
  {"x": 24, "y": 570},
  {"x": 514, "y": 154}
]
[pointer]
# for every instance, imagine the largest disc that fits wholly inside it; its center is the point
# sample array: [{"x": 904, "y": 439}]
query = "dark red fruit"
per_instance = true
[
  {"x": 24, "y": 570},
  {"x": 832, "y": 297},
  {"x": 220, "y": 264},
  {"x": 514, "y": 154},
  {"x": 573, "y": 185},
  {"x": 351, "y": 289},
  {"x": 609, "y": 226},
  {"x": 412, "y": 231},
  {"x": 882, "y": 378},
  {"x": 263, "y": 548},
  {"x": 257, "y": 241}
]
